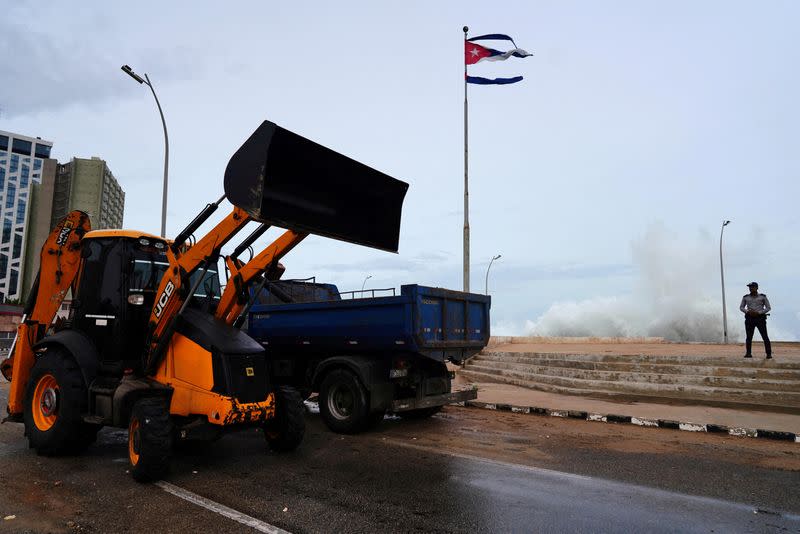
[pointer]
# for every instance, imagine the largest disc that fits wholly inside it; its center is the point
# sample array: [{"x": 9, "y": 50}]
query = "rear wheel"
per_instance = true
[
  {"x": 149, "y": 439},
  {"x": 285, "y": 431},
  {"x": 55, "y": 400},
  {"x": 343, "y": 402}
]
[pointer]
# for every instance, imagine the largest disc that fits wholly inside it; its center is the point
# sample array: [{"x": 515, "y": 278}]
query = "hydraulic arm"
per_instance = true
[
  {"x": 236, "y": 294},
  {"x": 60, "y": 258},
  {"x": 174, "y": 288}
]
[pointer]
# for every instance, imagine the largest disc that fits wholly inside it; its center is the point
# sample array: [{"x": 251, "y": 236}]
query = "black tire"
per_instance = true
[
  {"x": 149, "y": 440},
  {"x": 422, "y": 413},
  {"x": 285, "y": 431},
  {"x": 55, "y": 399},
  {"x": 343, "y": 402}
]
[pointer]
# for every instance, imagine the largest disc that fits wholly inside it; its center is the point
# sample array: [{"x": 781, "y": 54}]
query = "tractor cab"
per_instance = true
[{"x": 115, "y": 292}]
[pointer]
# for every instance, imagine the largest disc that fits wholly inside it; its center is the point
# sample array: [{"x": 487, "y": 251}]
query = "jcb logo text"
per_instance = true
[{"x": 164, "y": 298}]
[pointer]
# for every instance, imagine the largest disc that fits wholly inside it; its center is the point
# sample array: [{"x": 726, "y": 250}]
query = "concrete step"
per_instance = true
[
  {"x": 689, "y": 359},
  {"x": 640, "y": 390},
  {"x": 523, "y": 369},
  {"x": 762, "y": 371}
]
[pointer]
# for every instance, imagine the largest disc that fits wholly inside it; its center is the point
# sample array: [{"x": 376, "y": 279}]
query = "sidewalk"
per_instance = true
[
  {"x": 683, "y": 415},
  {"x": 523, "y": 398}
]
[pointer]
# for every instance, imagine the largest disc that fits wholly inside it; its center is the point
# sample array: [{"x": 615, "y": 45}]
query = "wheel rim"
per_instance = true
[
  {"x": 45, "y": 403},
  {"x": 340, "y": 402},
  {"x": 133, "y": 441}
]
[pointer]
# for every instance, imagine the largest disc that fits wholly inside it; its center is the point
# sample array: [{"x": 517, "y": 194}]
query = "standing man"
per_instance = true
[{"x": 755, "y": 307}]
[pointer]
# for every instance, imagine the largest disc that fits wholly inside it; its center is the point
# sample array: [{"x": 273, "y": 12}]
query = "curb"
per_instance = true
[{"x": 627, "y": 419}]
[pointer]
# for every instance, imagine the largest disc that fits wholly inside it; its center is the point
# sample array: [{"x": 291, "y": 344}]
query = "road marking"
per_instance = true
[{"x": 220, "y": 509}]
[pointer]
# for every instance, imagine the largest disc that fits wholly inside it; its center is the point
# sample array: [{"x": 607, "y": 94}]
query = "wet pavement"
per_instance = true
[{"x": 465, "y": 470}]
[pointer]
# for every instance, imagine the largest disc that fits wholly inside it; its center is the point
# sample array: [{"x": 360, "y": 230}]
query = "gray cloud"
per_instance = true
[{"x": 48, "y": 68}]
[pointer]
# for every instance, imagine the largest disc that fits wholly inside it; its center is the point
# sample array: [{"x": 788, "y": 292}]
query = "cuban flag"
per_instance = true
[{"x": 475, "y": 53}]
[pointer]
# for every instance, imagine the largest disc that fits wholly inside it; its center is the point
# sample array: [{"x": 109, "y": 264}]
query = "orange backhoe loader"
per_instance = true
[{"x": 147, "y": 345}]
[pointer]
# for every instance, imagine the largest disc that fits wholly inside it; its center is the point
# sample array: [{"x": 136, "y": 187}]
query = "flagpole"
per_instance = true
[{"x": 466, "y": 175}]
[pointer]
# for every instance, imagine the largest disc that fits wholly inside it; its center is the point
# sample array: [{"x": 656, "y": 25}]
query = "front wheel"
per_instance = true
[
  {"x": 285, "y": 431},
  {"x": 343, "y": 402},
  {"x": 149, "y": 440},
  {"x": 55, "y": 399}
]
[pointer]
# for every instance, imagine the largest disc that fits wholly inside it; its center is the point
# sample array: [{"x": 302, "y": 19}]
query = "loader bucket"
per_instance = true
[{"x": 286, "y": 180}]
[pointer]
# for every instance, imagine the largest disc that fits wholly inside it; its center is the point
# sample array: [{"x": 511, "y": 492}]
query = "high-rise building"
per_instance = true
[
  {"x": 82, "y": 184},
  {"x": 24, "y": 161},
  {"x": 88, "y": 185}
]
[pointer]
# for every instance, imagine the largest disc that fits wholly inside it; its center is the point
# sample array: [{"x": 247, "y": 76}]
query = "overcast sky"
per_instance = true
[{"x": 602, "y": 178}]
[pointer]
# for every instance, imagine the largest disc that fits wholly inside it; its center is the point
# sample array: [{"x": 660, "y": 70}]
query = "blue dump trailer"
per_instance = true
[{"x": 369, "y": 352}]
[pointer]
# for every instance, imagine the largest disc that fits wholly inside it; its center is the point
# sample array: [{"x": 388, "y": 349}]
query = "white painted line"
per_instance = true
[
  {"x": 220, "y": 509},
  {"x": 749, "y": 432},
  {"x": 557, "y": 413},
  {"x": 643, "y": 422},
  {"x": 692, "y": 427},
  {"x": 518, "y": 409},
  {"x": 597, "y": 417},
  {"x": 94, "y": 316}
]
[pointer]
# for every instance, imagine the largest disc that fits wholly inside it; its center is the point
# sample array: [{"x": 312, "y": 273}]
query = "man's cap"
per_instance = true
[{"x": 752, "y": 284}]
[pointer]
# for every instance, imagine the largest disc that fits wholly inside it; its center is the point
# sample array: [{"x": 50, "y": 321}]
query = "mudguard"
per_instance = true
[{"x": 80, "y": 346}]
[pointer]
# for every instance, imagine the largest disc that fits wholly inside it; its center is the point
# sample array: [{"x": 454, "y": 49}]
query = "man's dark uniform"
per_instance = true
[{"x": 755, "y": 307}]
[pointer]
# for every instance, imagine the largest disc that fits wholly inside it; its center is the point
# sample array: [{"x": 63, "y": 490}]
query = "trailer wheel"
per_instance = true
[
  {"x": 285, "y": 431},
  {"x": 421, "y": 413},
  {"x": 55, "y": 399},
  {"x": 149, "y": 439},
  {"x": 343, "y": 402}
]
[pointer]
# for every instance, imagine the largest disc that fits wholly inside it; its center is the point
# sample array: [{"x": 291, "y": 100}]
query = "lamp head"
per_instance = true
[
  {"x": 129, "y": 71},
  {"x": 726, "y": 223}
]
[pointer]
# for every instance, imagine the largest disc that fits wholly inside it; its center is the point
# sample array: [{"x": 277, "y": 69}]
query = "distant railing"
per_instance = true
[{"x": 370, "y": 291}]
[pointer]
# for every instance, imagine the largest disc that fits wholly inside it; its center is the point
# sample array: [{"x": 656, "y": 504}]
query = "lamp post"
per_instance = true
[
  {"x": 486, "y": 285},
  {"x": 365, "y": 282},
  {"x": 146, "y": 80},
  {"x": 722, "y": 277}
]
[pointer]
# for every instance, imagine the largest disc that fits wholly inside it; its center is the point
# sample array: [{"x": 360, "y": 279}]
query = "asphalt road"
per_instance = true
[{"x": 464, "y": 470}]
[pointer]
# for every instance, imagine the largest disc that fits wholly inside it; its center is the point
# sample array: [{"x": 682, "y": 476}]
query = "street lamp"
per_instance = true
[
  {"x": 722, "y": 277},
  {"x": 365, "y": 282},
  {"x": 146, "y": 80},
  {"x": 486, "y": 285}
]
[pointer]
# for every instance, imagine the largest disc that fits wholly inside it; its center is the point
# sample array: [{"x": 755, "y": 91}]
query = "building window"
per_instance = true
[
  {"x": 2, "y": 178},
  {"x": 37, "y": 165},
  {"x": 6, "y": 230},
  {"x": 12, "y": 190},
  {"x": 20, "y": 146},
  {"x": 17, "y": 252},
  {"x": 14, "y": 164},
  {"x": 3, "y": 142},
  {"x": 42, "y": 151},
  {"x": 21, "y": 212},
  {"x": 12, "y": 286}
]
